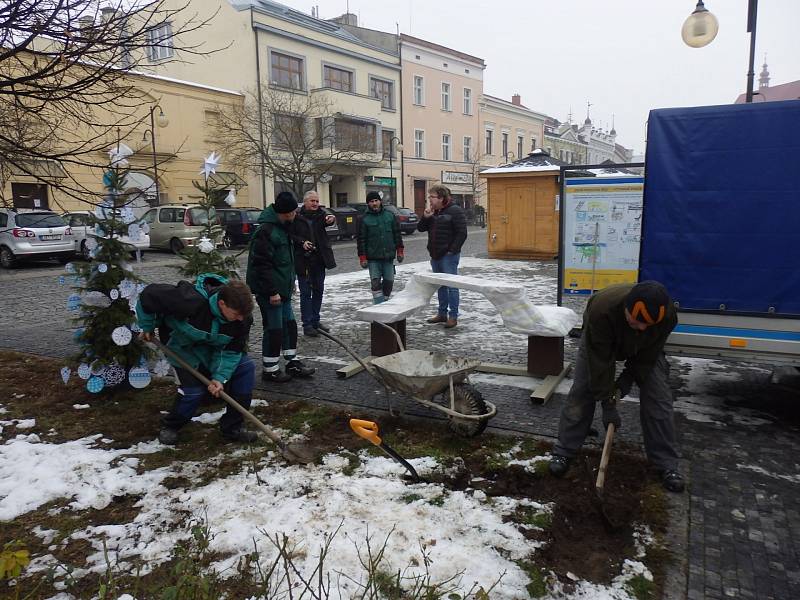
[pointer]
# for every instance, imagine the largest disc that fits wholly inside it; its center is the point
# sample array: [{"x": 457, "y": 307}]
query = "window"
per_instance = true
[
  {"x": 533, "y": 144},
  {"x": 419, "y": 90},
  {"x": 445, "y": 96},
  {"x": 383, "y": 90},
  {"x": 467, "y": 101},
  {"x": 419, "y": 143},
  {"x": 288, "y": 131},
  {"x": 338, "y": 79},
  {"x": 3, "y": 220},
  {"x": 467, "y": 148},
  {"x": 445, "y": 146},
  {"x": 519, "y": 146},
  {"x": 561, "y": 155},
  {"x": 358, "y": 136},
  {"x": 389, "y": 148},
  {"x": 287, "y": 71},
  {"x": 505, "y": 145},
  {"x": 78, "y": 220},
  {"x": 149, "y": 216},
  {"x": 160, "y": 42},
  {"x": 489, "y": 137}
]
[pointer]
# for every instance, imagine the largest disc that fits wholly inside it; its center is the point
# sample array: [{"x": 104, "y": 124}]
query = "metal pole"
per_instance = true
[
  {"x": 594, "y": 254},
  {"x": 155, "y": 160},
  {"x": 752, "y": 10}
]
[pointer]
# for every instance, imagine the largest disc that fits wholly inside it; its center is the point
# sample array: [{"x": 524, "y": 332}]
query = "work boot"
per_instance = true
[
  {"x": 322, "y": 326},
  {"x": 559, "y": 465},
  {"x": 450, "y": 323},
  {"x": 168, "y": 437},
  {"x": 297, "y": 369},
  {"x": 310, "y": 331},
  {"x": 276, "y": 376},
  {"x": 672, "y": 481},
  {"x": 437, "y": 319},
  {"x": 241, "y": 436}
]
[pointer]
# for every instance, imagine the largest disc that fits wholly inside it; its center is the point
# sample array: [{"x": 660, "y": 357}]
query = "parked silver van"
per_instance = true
[{"x": 175, "y": 226}]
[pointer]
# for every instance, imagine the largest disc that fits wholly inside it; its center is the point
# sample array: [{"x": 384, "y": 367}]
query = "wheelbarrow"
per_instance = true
[{"x": 434, "y": 380}]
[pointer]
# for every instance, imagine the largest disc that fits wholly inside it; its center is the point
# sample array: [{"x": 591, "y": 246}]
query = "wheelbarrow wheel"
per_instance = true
[{"x": 468, "y": 401}]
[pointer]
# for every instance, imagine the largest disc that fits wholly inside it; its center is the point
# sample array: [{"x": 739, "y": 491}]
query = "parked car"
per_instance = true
[
  {"x": 408, "y": 221},
  {"x": 79, "y": 221},
  {"x": 175, "y": 226},
  {"x": 33, "y": 234},
  {"x": 238, "y": 223}
]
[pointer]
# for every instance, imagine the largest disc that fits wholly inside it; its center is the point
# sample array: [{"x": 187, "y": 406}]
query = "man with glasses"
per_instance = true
[{"x": 446, "y": 225}]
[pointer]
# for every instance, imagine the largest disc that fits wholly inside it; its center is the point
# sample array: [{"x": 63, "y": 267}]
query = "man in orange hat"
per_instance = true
[{"x": 627, "y": 323}]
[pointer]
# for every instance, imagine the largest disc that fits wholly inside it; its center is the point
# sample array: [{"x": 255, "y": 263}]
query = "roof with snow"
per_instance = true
[{"x": 536, "y": 161}]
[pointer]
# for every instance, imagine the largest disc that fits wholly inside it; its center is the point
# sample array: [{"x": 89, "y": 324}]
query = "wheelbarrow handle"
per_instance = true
[{"x": 366, "y": 429}]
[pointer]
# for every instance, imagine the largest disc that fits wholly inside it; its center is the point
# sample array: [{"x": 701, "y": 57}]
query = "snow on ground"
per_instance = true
[{"x": 458, "y": 530}]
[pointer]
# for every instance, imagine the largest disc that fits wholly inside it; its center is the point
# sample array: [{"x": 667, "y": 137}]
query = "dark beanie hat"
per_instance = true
[
  {"x": 285, "y": 202},
  {"x": 373, "y": 196},
  {"x": 647, "y": 302}
]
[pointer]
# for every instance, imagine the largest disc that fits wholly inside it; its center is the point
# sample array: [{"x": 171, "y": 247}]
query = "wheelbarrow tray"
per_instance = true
[{"x": 421, "y": 373}]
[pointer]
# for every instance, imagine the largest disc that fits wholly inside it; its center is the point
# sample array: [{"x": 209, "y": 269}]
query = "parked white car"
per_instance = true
[
  {"x": 79, "y": 221},
  {"x": 26, "y": 234}
]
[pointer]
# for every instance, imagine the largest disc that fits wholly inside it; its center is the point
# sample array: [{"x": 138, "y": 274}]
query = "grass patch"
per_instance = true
[
  {"x": 655, "y": 508},
  {"x": 538, "y": 579},
  {"x": 532, "y": 518},
  {"x": 641, "y": 587},
  {"x": 409, "y": 498},
  {"x": 353, "y": 463},
  {"x": 307, "y": 419}
]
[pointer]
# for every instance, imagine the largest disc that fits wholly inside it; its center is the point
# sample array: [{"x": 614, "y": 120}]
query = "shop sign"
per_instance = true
[
  {"x": 456, "y": 177},
  {"x": 387, "y": 181}
]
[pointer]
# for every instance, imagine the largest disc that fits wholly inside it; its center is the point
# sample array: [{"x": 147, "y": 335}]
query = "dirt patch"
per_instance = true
[{"x": 575, "y": 538}]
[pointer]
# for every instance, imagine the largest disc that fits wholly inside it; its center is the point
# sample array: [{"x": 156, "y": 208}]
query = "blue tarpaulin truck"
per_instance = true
[{"x": 721, "y": 227}]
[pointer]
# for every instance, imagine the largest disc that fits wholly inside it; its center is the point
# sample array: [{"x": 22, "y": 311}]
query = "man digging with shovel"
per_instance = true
[
  {"x": 628, "y": 323},
  {"x": 208, "y": 324}
]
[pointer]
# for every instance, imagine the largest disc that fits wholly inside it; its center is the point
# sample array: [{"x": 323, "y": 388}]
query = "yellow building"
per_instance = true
[{"x": 291, "y": 52}]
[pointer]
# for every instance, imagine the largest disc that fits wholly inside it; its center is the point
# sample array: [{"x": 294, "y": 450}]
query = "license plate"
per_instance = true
[
  {"x": 349, "y": 220},
  {"x": 49, "y": 237}
]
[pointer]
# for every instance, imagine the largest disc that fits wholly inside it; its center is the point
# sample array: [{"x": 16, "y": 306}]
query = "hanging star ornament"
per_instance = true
[
  {"x": 210, "y": 164},
  {"x": 230, "y": 199}
]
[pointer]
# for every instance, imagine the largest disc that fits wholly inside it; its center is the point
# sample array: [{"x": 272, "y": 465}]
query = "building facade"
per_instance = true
[{"x": 510, "y": 130}]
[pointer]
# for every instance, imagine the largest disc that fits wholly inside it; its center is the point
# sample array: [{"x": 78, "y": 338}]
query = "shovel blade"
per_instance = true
[{"x": 298, "y": 454}]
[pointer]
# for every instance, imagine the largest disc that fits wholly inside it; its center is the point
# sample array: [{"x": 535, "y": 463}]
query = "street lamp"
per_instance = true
[
  {"x": 399, "y": 147},
  {"x": 162, "y": 122},
  {"x": 701, "y": 28}
]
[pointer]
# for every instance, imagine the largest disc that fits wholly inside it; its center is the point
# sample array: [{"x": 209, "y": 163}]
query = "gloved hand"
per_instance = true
[
  {"x": 363, "y": 260},
  {"x": 400, "y": 255},
  {"x": 611, "y": 415},
  {"x": 624, "y": 383}
]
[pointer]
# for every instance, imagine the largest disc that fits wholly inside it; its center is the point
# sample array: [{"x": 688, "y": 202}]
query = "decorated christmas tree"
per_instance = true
[
  {"x": 105, "y": 293},
  {"x": 204, "y": 256}
]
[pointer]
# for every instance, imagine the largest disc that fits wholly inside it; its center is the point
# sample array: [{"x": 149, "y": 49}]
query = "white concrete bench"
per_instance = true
[{"x": 545, "y": 326}]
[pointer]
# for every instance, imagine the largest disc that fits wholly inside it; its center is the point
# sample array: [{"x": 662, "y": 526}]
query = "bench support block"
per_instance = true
[
  {"x": 545, "y": 355},
  {"x": 382, "y": 341}
]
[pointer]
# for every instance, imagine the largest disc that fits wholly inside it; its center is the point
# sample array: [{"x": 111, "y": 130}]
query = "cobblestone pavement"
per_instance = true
[{"x": 737, "y": 527}]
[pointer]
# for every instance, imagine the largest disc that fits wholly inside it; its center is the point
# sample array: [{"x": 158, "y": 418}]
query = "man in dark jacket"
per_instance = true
[
  {"x": 446, "y": 225},
  {"x": 271, "y": 276},
  {"x": 208, "y": 324},
  {"x": 312, "y": 255},
  {"x": 379, "y": 242},
  {"x": 628, "y": 323}
]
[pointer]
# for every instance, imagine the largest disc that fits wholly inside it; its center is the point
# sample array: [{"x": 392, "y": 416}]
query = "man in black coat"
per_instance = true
[
  {"x": 313, "y": 255},
  {"x": 446, "y": 225}
]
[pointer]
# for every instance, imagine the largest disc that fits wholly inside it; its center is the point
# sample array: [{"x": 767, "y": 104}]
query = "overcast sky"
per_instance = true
[{"x": 624, "y": 56}]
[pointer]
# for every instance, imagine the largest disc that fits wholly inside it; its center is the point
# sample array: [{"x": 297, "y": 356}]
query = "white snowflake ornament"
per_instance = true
[
  {"x": 162, "y": 367},
  {"x": 122, "y": 336},
  {"x": 205, "y": 245},
  {"x": 230, "y": 199}
]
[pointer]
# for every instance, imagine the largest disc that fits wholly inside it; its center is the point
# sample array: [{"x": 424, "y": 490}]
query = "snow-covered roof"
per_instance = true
[{"x": 536, "y": 161}]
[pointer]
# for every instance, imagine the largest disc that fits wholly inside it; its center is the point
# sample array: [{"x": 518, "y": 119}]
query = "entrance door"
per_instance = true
[
  {"x": 30, "y": 195},
  {"x": 419, "y": 196}
]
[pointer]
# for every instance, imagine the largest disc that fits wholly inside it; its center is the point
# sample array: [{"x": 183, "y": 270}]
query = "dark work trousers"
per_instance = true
[
  {"x": 191, "y": 391},
  {"x": 311, "y": 284},
  {"x": 655, "y": 413}
]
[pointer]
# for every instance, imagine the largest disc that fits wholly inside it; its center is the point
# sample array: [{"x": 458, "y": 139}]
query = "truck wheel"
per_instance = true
[
  {"x": 7, "y": 258},
  {"x": 175, "y": 245},
  {"x": 468, "y": 401}
]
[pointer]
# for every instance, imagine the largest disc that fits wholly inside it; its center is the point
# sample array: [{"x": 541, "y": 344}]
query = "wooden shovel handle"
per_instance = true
[{"x": 601, "y": 472}]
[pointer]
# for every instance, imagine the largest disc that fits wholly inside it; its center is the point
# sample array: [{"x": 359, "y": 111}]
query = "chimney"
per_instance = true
[
  {"x": 346, "y": 19},
  {"x": 516, "y": 100}
]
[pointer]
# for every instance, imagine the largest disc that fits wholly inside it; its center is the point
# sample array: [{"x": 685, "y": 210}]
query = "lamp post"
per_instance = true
[
  {"x": 162, "y": 122},
  {"x": 701, "y": 27},
  {"x": 392, "y": 146}
]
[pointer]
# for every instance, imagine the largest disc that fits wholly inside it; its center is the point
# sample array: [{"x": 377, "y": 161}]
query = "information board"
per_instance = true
[{"x": 601, "y": 231}]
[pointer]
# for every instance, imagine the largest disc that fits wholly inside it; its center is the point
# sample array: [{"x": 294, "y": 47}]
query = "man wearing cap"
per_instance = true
[
  {"x": 271, "y": 276},
  {"x": 379, "y": 242},
  {"x": 627, "y": 323}
]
